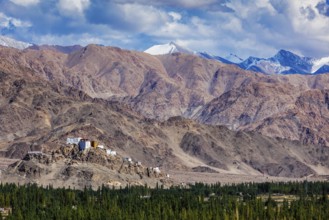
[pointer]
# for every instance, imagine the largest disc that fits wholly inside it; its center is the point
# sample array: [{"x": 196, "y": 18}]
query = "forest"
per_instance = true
[{"x": 293, "y": 200}]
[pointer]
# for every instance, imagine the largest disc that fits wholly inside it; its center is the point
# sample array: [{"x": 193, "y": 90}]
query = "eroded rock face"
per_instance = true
[
  {"x": 196, "y": 145},
  {"x": 28, "y": 169},
  {"x": 91, "y": 167},
  {"x": 204, "y": 169},
  {"x": 287, "y": 167},
  {"x": 283, "y": 112},
  {"x": 171, "y": 85},
  {"x": 18, "y": 150},
  {"x": 39, "y": 158}
]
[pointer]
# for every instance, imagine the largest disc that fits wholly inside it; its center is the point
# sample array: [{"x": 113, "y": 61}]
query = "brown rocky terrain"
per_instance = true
[
  {"x": 127, "y": 100},
  {"x": 303, "y": 116},
  {"x": 58, "y": 48},
  {"x": 69, "y": 167},
  {"x": 157, "y": 87},
  {"x": 163, "y": 86}
]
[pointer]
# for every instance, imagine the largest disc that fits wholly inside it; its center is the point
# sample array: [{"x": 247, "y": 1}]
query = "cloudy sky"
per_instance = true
[{"x": 220, "y": 27}]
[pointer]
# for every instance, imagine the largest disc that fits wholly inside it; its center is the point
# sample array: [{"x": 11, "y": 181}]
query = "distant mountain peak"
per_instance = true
[
  {"x": 168, "y": 48},
  {"x": 172, "y": 43},
  {"x": 286, "y": 62},
  {"x": 283, "y": 51},
  {"x": 285, "y": 54},
  {"x": 173, "y": 47},
  {"x": 9, "y": 42}
]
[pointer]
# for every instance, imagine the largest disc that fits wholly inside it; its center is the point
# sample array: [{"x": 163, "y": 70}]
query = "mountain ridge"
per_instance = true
[{"x": 283, "y": 62}]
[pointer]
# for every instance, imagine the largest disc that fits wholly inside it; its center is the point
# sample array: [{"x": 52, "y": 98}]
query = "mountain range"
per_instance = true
[
  {"x": 284, "y": 62},
  {"x": 178, "y": 111}
]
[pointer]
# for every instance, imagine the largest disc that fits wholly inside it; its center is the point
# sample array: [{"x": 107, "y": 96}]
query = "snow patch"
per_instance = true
[
  {"x": 9, "y": 42},
  {"x": 271, "y": 67},
  {"x": 167, "y": 49}
]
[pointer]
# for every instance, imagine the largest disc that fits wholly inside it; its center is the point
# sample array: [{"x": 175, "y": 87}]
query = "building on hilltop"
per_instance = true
[
  {"x": 75, "y": 141},
  {"x": 111, "y": 152},
  {"x": 156, "y": 170},
  {"x": 127, "y": 159},
  {"x": 101, "y": 146},
  {"x": 94, "y": 144},
  {"x": 84, "y": 144},
  {"x": 35, "y": 152}
]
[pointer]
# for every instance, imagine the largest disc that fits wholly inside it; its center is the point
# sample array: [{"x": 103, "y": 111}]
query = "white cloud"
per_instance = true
[
  {"x": 25, "y": 2},
  {"x": 72, "y": 7},
  {"x": 306, "y": 19},
  {"x": 104, "y": 36},
  {"x": 172, "y": 30},
  {"x": 257, "y": 28},
  {"x": 6, "y": 22},
  {"x": 194, "y": 3},
  {"x": 262, "y": 27},
  {"x": 143, "y": 18},
  {"x": 233, "y": 25},
  {"x": 175, "y": 3},
  {"x": 71, "y": 39},
  {"x": 198, "y": 44},
  {"x": 175, "y": 16}
]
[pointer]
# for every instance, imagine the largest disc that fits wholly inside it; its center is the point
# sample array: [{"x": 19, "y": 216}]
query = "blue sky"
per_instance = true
[{"x": 220, "y": 27}]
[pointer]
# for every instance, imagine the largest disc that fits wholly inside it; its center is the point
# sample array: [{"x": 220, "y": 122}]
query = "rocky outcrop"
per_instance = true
[
  {"x": 196, "y": 145},
  {"x": 91, "y": 167},
  {"x": 204, "y": 169}
]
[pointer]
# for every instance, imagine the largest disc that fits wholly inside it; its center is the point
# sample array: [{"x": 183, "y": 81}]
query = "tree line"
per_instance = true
[{"x": 197, "y": 201}]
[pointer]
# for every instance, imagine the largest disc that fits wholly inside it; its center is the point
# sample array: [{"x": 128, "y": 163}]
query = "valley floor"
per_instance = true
[
  {"x": 175, "y": 178},
  {"x": 183, "y": 177}
]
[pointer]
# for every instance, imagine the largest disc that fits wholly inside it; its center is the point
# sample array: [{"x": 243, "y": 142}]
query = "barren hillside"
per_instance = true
[{"x": 178, "y": 112}]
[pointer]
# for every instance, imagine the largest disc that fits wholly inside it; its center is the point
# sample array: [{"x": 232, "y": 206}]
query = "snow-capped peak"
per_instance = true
[
  {"x": 284, "y": 62},
  {"x": 168, "y": 48},
  {"x": 9, "y": 42},
  {"x": 318, "y": 63}
]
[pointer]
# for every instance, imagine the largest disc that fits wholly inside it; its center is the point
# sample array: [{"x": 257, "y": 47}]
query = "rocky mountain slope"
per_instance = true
[
  {"x": 165, "y": 111},
  {"x": 160, "y": 87},
  {"x": 63, "y": 49},
  {"x": 274, "y": 110},
  {"x": 39, "y": 115}
]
